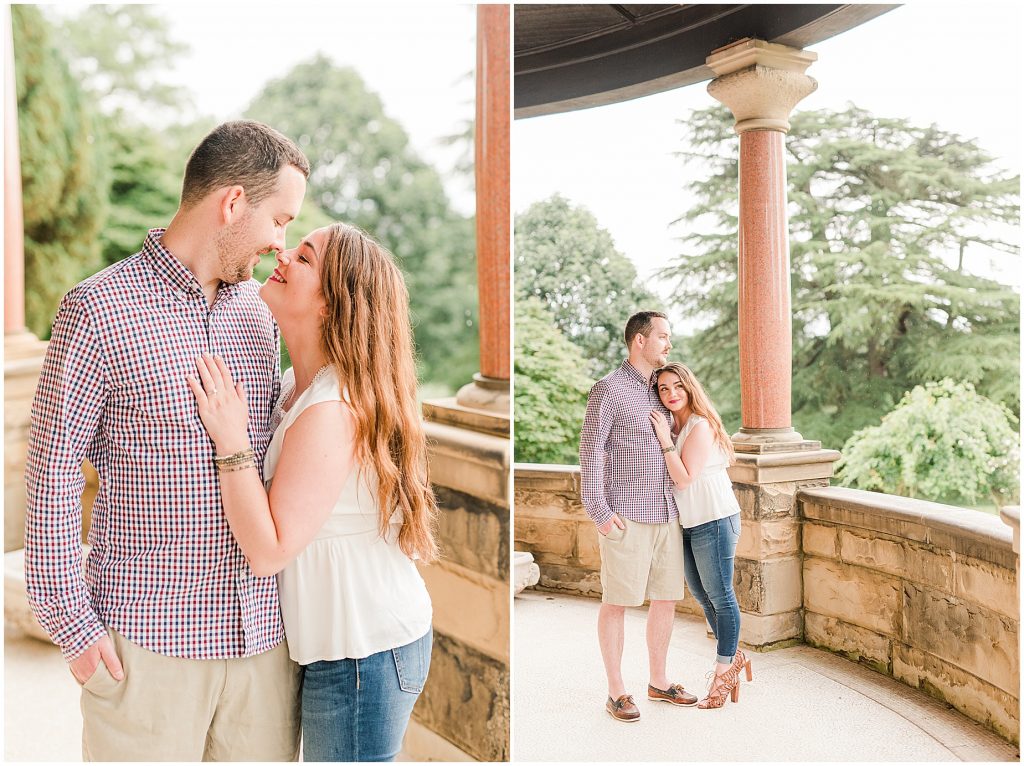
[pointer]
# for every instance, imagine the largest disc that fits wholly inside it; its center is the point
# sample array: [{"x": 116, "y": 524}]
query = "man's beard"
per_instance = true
[{"x": 234, "y": 255}]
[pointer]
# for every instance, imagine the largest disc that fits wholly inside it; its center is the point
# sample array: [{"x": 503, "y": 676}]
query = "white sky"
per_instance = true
[
  {"x": 418, "y": 57},
  {"x": 958, "y": 66}
]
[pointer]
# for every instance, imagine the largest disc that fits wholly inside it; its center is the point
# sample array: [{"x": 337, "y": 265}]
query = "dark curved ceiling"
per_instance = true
[{"x": 576, "y": 56}]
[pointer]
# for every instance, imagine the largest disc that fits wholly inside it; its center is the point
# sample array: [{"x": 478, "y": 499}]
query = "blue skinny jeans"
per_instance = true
[
  {"x": 358, "y": 710},
  {"x": 708, "y": 553}
]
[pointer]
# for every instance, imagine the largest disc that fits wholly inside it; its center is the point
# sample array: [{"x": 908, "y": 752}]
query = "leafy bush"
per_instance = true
[{"x": 943, "y": 441}]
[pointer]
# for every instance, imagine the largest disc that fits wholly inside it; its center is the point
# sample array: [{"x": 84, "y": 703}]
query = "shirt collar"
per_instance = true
[
  {"x": 634, "y": 374},
  {"x": 174, "y": 272}
]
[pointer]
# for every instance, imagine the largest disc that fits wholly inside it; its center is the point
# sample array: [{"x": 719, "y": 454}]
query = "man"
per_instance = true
[
  {"x": 177, "y": 645},
  {"x": 627, "y": 491}
]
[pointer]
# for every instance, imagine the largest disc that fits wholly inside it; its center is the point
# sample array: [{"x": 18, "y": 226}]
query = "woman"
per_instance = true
[
  {"x": 708, "y": 513},
  {"x": 347, "y": 506}
]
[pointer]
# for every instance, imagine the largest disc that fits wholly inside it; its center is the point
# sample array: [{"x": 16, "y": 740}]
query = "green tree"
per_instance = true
[
  {"x": 885, "y": 219},
  {"x": 365, "y": 172},
  {"x": 64, "y": 182},
  {"x": 121, "y": 53},
  {"x": 567, "y": 261},
  {"x": 551, "y": 389},
  {"x": 943, "y": 441}
]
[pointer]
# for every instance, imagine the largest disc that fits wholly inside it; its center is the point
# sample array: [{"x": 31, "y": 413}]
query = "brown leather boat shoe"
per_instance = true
[
  {"x": 674, "y": 694},
  {"x": 623, "y": 709}
]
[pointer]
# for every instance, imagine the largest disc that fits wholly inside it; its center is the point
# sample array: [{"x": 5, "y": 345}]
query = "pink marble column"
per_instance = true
[
  {"x": 14, "y": 238},
  {"x": 761, "y": 83},
  {"x": 765, "y": 322},
  {"x": 489, "y": 390},
  {"x": 492, "y": 187}
]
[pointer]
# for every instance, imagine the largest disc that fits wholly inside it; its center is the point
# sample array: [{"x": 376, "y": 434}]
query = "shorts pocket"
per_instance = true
[{"x": 412, "y": 662}]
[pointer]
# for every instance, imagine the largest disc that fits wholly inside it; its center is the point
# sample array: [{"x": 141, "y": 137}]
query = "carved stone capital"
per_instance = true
[{"x": 761, "y": 82}]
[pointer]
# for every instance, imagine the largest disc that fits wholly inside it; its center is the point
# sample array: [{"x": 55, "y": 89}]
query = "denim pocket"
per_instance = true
[
  {"x": 734, "y": 524},
  {"x": 412, "y": 662}
]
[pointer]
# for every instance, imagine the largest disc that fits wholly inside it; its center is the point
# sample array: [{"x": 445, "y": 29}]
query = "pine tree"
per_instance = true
[{"x": 886, "y": 221}]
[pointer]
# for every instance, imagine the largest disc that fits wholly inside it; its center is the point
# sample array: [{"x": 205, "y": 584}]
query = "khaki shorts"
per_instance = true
[
  {"x": 177, "y": 709},
  {"x": 642, "y": 561}
]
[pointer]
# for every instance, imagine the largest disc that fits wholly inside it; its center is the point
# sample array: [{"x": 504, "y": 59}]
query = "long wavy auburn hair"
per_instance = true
[
  {"x": 367, "y": 336},
  {"x": 700, "y": 404}
]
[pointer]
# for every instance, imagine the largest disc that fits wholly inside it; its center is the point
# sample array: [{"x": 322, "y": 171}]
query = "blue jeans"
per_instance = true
[
  {"x": 708, "y": 553},
  {"x": 358, "y": 710}
]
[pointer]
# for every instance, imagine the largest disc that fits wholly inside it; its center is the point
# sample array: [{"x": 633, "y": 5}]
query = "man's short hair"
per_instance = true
[
  {"x": 641, "y": 323},
  {"x": 245, "y": 153}
]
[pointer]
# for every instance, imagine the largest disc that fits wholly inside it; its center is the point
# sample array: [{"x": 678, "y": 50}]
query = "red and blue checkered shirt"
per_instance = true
[
  {"x": 622, "y": 468},
  {"x": 163, "y": 569}
]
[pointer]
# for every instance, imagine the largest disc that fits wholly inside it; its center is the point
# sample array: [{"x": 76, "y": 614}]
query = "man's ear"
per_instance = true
[{"x": 232, "y": 201}]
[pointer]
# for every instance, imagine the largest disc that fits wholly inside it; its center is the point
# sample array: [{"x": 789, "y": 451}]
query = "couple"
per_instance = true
[
  {"x": 653, "y": 459},
  {"x": 163, "y": 371}
]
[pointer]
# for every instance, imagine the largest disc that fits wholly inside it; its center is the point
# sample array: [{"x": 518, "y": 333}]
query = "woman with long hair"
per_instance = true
[
  {"x": 697, "y": 459},
  {"x": 347, "y": 506}
]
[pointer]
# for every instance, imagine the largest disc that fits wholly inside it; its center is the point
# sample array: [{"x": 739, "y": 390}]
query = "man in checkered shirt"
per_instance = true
[
  {"x": 178, "y": 647},
  {"x": 627, "y": 491}
]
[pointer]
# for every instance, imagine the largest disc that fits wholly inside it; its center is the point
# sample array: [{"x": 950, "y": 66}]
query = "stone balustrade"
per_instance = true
[{"x": 925, "y": 593}]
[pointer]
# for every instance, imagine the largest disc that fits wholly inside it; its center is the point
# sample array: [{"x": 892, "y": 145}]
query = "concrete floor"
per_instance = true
[{"x": 803, "y": 704}]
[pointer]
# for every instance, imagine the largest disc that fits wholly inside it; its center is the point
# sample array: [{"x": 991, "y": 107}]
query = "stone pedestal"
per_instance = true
[
  {"x": 768, "y": 578},
  {"x": 23, "y": 359},
  {"x": 466, "y": 701}
]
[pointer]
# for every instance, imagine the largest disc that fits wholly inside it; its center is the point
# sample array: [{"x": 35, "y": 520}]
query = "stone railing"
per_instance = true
[{"x": 923, "y": 592}]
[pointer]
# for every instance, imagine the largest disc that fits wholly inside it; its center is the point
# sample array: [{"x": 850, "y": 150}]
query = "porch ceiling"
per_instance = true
[{"x": 571, "y": 57}]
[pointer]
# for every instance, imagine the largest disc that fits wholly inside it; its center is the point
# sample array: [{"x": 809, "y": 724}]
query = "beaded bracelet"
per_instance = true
[
  {"x": 236, "y": 467},
  {"x": 236, "y": 458}
]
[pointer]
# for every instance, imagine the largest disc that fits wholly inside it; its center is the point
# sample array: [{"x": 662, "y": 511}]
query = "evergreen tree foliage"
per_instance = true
[
  {"x": 943, "y": 441},
  {"x": 147, "y": 170},
  {"x": 568, "y": 262},
  {"x": 885, "y": 219},
  {"x": 120, "y": 53},
  {"x": 365, "y": 172},
  {"x": 551, "y": 388},
  {"x": 63, "y": 175}
]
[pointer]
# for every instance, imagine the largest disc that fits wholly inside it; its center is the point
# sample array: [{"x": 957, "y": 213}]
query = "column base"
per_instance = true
[
  {"x": 765, "y": 440},
  {"x": 488, "y": 394}
]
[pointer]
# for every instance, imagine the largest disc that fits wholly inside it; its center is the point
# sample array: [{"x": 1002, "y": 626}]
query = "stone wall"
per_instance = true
[
  {"x": 23, "y": 358},
  {"x": 466, "y": 701},
  {"x": 923, "y": 592}
]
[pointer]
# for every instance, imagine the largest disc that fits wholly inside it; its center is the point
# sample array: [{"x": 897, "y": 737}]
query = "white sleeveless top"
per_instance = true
[
  {"x": 349, "y": 593},
  {"x": 710, "y": 495}
]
